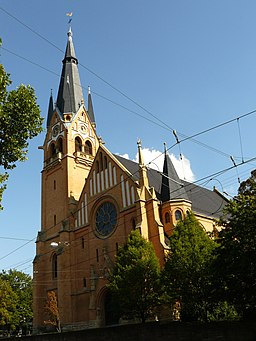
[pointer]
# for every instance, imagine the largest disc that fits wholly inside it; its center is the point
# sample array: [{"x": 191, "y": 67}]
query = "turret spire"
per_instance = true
[
  {"x": 50, "y": 111},
  {"x": 70, "y": 93},
  {"x": 90, "y": 106},
  {"x": 172, "y": 187},
  {"x": 142, "y": 168}
]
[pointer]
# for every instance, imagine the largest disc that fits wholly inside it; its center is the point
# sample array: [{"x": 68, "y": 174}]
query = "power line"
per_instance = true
[
  {"x": 129, "y": 98},
  {"x": 13, "y": 238},
  {"x": 165, "y": 126}
]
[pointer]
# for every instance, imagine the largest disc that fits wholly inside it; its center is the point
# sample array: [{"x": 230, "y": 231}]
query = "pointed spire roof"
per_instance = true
[
  {"x": 70, "y": 93},
  {"x": 172, "y": 187},
  {"x": 143, "y": 174},
  {"x": 90, "y": 106},
  {"x": 50, "y": 111}
]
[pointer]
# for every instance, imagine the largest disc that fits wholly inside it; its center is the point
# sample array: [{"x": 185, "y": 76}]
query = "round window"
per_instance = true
[{"x": 106, "y": 219}]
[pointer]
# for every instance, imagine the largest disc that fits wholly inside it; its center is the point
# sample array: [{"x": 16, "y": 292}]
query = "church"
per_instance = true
[{"x": 91, "y": 199}]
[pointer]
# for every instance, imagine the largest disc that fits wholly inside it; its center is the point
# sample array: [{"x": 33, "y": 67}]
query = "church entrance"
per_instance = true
[{"x": 111, "y": 309}]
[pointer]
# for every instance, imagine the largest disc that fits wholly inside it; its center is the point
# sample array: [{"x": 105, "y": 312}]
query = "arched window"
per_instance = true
[
  {"x": 78, "y": 144},
  {"x": 60, "y": 145},
  {"x": 53, "y": 149},
  {"x": 88, "y": 147},
  {"x": 178, "y": 215},
  {"x": 167, "y": 217},
  {"x": 54, "y": 266}
]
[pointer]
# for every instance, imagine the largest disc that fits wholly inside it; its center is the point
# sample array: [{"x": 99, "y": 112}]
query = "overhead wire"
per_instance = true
[
  {"x": 185, "y": 137},
  {"x": 78, "y": 240},
  {"x": 195, "y": 182},
  {"x": 126, "y": 96}
]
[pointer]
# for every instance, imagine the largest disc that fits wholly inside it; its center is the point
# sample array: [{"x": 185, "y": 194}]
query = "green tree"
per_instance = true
[
  {"x": 19, "y": 121},
  {"x": 21, "y": 297},
  {"x": 187, "y": 275},
  {"x": 237, "y": 253},
  {"x": 8, "y": 299},
  {"x": 134, "y": 281}
]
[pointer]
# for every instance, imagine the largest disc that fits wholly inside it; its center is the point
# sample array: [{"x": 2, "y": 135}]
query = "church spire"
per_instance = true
[
  {"x": 70, "y": 93},
  {"x": 90, "y": 107},
  {"x": 172, "y": 187},
  {"x": 50, "y": 111}
]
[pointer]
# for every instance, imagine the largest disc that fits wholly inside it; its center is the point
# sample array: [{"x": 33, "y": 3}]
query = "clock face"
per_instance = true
[{"x": 106, "y": 219}]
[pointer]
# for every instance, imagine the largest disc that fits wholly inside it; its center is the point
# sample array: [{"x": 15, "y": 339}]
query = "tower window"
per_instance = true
[
  {"x": 178, "y": 215},
  {"x": 54, "y": 220},
  {"x": 54, "y": 184},
  {"x": 60, "y": 145},
  {"x": 97, "y": 255},
  {"x": 167, "y": 217},
  {"x": 78, "y": 144},
  {"x": 88, "y": 147},
  {"x": 53, "y": 149},
  {"x": 82, "y": 242},
  {"x": 84, "y": 282},
  {"x": 105, "y": 162},
  {"x": 133, "y": 223}
]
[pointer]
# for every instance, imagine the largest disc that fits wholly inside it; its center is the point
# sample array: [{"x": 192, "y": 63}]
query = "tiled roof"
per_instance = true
[{"x": 204, "y": 201}]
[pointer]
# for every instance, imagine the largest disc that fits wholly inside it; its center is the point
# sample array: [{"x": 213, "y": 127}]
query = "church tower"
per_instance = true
[
  {"x": 69, "y": 149},
  {"x": 70, "y": 144}
]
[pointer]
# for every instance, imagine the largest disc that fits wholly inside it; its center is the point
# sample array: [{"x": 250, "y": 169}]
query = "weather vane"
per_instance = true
[{"x": 70, "y": 17}]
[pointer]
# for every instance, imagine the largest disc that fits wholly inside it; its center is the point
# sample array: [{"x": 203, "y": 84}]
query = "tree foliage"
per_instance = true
[
  {"x": 188, "y": 270},
  {"x": 20, "y": 121},
  {"x": 16, "y": 300},
  {"x": 52, "y": 311},
  {"x": 237, "y": 252},
  {"x": 135, "y": 278}
]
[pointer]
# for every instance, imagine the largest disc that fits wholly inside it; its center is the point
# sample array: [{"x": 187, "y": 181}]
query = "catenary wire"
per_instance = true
[{"x": 113, "y": 87}]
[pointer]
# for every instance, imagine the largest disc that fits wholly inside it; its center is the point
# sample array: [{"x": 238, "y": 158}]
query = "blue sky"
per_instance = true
[{"x": 190, "y": 65}]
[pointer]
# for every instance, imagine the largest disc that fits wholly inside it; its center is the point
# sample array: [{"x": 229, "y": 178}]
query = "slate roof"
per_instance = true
[
  {"x": 172, "y": 187},
  {"x": 90, "y": 108},
  {"x": 204, "y": 201},
  {"x": 70, "y": 93},
  {"x": 50, "y": 112}
]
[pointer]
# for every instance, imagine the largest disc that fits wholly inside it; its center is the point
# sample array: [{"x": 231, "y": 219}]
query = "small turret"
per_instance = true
[
  {"x": 172, "y": 187},
  {"x": 142, "y": 168},
  {"x": 90, "y": 107},
  {"x": 50, "y": 111}
]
